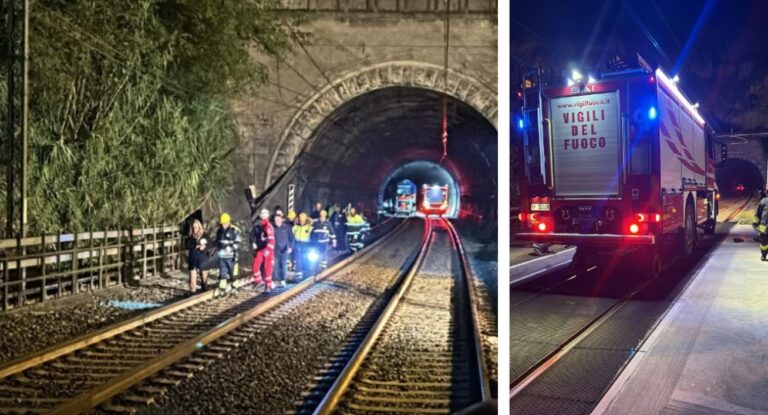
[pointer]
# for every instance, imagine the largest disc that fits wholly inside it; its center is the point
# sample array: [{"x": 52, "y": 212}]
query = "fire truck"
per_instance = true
[{"x": 619, "y": 165}]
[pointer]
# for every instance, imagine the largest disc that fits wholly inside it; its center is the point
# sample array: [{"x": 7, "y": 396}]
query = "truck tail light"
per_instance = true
[
  {"x": 634, "y": 228},
  {"x": 542, "y": 227},
  {"x": 644, "y": 217},
  {"x": 521, "y": 217}
]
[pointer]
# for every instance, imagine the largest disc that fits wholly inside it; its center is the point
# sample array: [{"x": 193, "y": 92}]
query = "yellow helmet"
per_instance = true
[
  {"x": 225, "y": 219},
  {"x": 291, "y": 215}
]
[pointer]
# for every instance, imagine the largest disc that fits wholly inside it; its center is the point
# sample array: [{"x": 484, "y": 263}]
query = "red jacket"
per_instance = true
[{"x": 263, "y": 236}]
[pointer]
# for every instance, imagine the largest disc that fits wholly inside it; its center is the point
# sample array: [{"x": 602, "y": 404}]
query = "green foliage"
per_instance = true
[{"x": 130, "y": 122}]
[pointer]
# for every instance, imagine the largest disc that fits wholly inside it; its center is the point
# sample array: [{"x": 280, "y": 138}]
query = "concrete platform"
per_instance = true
[
  {"x": 525, "y": 267},
  {"x": 709, "y": 353}
]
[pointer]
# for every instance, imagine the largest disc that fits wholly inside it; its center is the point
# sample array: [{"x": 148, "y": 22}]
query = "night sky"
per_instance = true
[{"x": 725, "y": 68}]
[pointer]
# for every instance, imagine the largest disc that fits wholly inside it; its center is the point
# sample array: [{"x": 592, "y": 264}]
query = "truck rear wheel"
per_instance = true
[
  {"x": 653, "y": 266},
  {"x": 689, "y": 232}
]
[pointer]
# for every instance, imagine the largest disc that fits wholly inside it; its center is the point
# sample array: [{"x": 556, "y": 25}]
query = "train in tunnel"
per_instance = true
[
  {"x": 405, "y": 198},
  {"x": 434, "y": 199}
]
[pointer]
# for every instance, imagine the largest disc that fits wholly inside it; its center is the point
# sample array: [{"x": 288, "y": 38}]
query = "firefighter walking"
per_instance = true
[
  {"x": 322, "y": 237},
  {"x": 227, "y": 244},
  {"x": 760, "y": 223},
  {"x": 357, "y": 227},
  {"x": 263, "y": 241}
]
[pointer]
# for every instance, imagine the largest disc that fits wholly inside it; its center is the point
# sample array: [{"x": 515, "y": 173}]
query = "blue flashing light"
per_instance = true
[
  {"x": 520, "y": 123},
  {"x": 652, "y": 113}
]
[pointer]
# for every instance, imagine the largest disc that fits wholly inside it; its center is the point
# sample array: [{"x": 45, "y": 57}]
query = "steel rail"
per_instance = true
[
  {"x": 469, "y": 284},
  {"x": 536, "y": 370},
  {"x": 333, "y": 397},
  {"x": 22, "y": 363},
  {"x": 122, "y": 382}
]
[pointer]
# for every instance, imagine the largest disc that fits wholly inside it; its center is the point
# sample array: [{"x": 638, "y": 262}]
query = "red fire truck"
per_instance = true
[{"x": 620, "y": 164}]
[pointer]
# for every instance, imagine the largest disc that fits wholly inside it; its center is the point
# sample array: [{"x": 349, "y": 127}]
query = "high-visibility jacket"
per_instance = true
[
  {"x": 263, "y": 236},
  {"x": 303, "y": 232},
  {"x": 322, "y": 232},
  {"x": 760, "y": 220},
  {"x": 228, "y": 242}
]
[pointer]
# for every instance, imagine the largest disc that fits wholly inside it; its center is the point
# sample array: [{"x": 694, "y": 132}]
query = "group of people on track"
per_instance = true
[{"x": 280, "y": 242}]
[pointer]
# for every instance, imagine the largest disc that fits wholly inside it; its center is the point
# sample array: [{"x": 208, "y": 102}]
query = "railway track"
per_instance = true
[
  {"x": 127, "y": 365},
  {"x": 422, "y": 352}
]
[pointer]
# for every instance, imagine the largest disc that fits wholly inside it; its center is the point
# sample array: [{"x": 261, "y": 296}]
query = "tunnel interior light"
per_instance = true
[
  {"x": 634, "y": 228},
  {"x": 591, "y": 79},
  {"x": 696, "y": 105},
  {"x": 652, "y": 113},
  {"x": 676, "y": 78},
  {"x": 520, "y": 123}
]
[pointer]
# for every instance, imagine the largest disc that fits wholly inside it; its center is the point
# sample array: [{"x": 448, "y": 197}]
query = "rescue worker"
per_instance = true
[
  {"x": 357, "y": 227},
  {"x": 302, "y": 230},
  {"x": 290, "y": 220},
  {"x": 315, "y": 215},
  {"x": 283, "y": 247},
  {"x": 760, "y": 223},
  {"x": 263, "y": 241},
  {"x": 339, "y": 222},
  {"x": 227, "y": 244},
  {"x": 323, "y": 237}
]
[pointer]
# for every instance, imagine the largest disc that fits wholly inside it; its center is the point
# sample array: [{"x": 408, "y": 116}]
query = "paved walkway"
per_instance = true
[{"x": 709, "y": 354}]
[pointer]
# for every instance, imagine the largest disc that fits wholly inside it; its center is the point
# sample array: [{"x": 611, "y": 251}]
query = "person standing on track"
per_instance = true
[
  {"x": 760, "y": 223},
  {"x": 302, "y": 230},
  {"x": 197, "y": 256},
  {"x": 322, "y": 237},
  {"x": 227, "y": 243},
  {"x": 315, "y": 215},
  {"x": 339, "y": 223},
  {"x": 357, "y": 227},
  {"x": 283, "y": 247},
  {"x": 263, "y": 241}
]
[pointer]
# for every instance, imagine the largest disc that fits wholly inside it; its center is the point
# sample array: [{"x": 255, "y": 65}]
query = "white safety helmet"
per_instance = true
[{"x": 264, "y": 214}]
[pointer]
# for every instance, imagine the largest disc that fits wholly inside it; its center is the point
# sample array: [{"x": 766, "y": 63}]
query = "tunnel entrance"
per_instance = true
[
  {"x": 737, "y": 177},
  {"x": 369, "y": 141},
  {"x": 420, "y": 172}
]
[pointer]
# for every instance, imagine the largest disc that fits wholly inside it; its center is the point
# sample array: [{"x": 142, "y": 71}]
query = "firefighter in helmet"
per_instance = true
[
  {"x": 227, "y": 244},
  {"x": 760, "y": 223},
  {"x": 322, "y": 237}
]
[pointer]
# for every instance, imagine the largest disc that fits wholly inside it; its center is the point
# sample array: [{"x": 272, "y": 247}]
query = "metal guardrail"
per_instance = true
[{"x": 36, "y": 268}]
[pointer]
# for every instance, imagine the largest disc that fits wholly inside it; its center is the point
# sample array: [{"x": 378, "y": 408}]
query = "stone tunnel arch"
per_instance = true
[
  {"x": 738, "y": 171},
  {"x": 299, "y": 132}
]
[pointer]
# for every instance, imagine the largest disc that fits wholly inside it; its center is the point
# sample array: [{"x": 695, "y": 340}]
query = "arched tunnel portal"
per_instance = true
[
  {"x": 371, "y": 139},
  {"x": 736, "y": 176}
]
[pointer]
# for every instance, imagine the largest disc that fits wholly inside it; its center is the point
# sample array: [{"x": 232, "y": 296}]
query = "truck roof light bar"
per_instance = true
[{"x": 672, "y": 87}]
